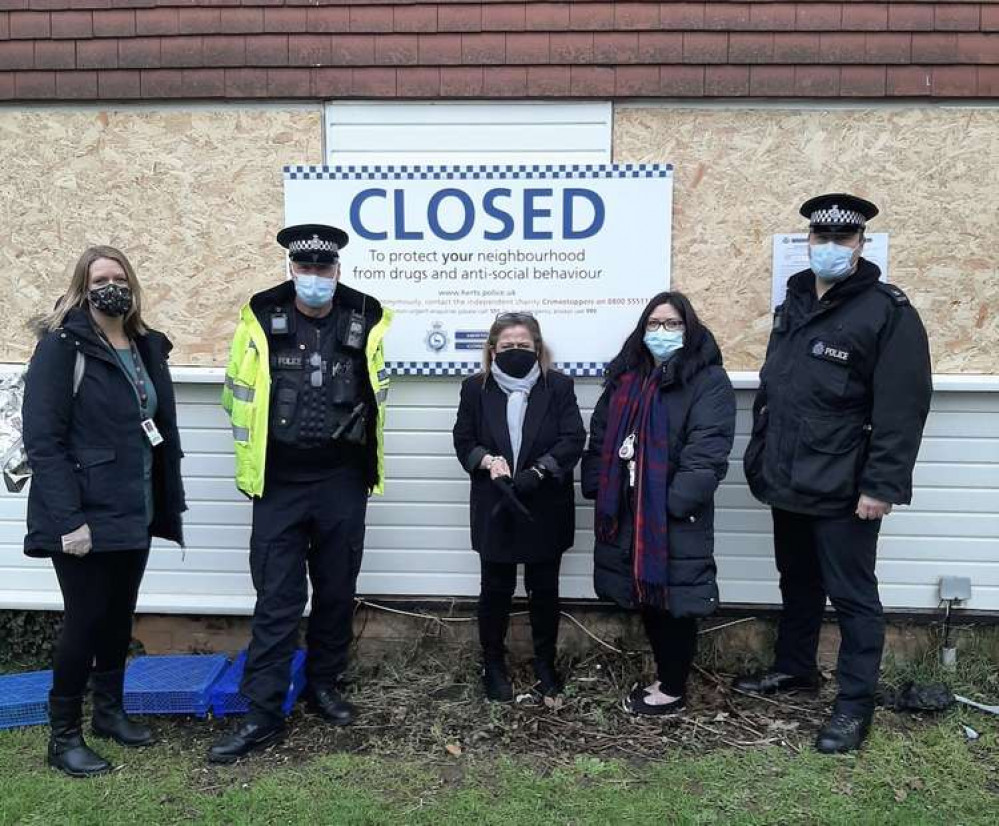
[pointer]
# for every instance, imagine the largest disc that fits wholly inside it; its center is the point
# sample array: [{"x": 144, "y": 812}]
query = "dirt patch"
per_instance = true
[{"x": 428, "y": 705}]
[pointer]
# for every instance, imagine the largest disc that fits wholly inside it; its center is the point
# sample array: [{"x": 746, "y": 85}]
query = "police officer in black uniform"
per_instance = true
[
  {"x": 321, "y": 463},
  {"x": 837, "y": 422}
]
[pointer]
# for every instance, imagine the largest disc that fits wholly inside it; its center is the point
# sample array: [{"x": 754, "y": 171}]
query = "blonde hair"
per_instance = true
[
  {"x": 505, "y": 321},
  {"x": 76, "y": 295}
]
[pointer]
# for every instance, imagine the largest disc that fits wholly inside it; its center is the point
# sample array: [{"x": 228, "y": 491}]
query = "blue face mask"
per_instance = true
[
  {"x": 663, "y": 343},
  {"x": 832, "y": 262},
  {"x": 314, "y": 290}
]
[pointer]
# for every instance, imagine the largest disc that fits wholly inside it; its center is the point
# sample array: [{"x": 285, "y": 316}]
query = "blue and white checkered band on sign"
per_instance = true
[
  {"x": 484, "y": 172},
  {"x": 577, "y": 369},
  {"x": 313, "y": 244},
  {"x": 835, "y": 215}
]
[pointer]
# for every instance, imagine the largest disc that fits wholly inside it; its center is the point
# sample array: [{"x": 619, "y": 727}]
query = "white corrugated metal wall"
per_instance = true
[{"x": 417, "y": 541}]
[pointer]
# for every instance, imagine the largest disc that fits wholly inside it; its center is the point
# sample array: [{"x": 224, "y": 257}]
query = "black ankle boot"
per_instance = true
[
  {"x": 255, "y": 733},
  {"x": 110, "y": 720},
  {"x": 549, "y": 680},
  {"x": 496, "y": 681},
  {"x": 328, "y": 703},
  {"x": 68, "y": 751},
  {"x": 843, "y": 733}
]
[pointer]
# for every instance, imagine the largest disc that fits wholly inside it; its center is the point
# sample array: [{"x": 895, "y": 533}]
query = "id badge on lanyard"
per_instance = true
[
  {"x": 149, "y": 428},
  {"x": 152, "y": 432}
]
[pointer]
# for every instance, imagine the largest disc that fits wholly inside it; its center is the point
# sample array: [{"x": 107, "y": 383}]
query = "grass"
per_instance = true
[
  {"x": 426, "y": 750},
  {"x": 928, "y": 775}
]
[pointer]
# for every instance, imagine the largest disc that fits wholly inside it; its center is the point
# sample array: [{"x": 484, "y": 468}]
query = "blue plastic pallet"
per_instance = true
[
  {"x": 226, "y": 698},
  {"x": 174, "y": 684},
  {"x": 24, "y": 699}
]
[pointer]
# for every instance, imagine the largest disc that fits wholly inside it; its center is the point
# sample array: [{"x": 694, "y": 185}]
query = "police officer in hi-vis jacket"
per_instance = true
[
  {"x": 837, "y": 422},
  {"x": 305, "y": 390}
]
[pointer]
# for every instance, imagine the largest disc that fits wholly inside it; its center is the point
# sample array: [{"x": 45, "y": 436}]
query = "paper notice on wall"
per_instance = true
[{"x": 790, "y": 255}]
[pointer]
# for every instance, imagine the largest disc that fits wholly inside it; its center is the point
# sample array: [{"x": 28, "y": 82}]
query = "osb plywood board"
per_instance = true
[
  {"x": 192, "y": 196},
  {"x": 741, "y": 175}
]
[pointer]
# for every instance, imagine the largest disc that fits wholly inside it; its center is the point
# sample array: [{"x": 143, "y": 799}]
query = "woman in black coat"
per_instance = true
[
  {"x": 519, "y": 435},
  {"x": 100, "y": 433},
  {"x": 660, "y": 437}
]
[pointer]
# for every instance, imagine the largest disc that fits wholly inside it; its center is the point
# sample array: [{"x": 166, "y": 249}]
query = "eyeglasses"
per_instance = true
[
  {"x": 673, "y": 324},
  {"x": 515, "y": 317}
]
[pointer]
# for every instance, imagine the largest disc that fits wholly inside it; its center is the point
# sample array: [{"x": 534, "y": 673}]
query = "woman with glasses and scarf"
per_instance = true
[
  {"x": 100, "y": 433},
  {"x": 519, "y": 435},
  {"x": 660, "y": 437}
]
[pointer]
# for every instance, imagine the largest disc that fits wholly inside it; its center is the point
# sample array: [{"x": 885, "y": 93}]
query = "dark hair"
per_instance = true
[{"x": 634, "y": 355}]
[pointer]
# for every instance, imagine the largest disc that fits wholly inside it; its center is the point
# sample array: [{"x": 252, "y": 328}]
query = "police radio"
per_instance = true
[{"x": 354, "y": 334}]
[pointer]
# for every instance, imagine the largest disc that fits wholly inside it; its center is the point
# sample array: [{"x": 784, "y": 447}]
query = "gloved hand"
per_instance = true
[
  {"x": 528, "y": 481},
  {"x": 77, "y": 542}
]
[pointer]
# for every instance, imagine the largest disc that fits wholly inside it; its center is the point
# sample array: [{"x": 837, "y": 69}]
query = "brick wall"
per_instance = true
[{"x": 235, "y": 49}]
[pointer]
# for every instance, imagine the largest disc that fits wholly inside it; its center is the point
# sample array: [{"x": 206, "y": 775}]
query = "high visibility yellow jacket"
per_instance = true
[{"x": 247, "y": 392}]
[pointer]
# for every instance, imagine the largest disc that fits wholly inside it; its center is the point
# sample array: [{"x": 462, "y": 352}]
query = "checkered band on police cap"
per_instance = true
[
  {"x": 835, "y": 215},
  {"x": 838, "y": 211},
  {"x": 313, "y": 244}
]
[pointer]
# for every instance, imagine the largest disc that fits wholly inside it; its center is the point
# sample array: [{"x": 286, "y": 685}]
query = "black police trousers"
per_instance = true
[
  {"x": 820, "y": 556},
  {"x": 313, "y": 528}
]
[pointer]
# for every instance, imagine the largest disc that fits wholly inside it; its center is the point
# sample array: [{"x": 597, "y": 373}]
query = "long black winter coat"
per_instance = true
[
  {"x": 700, "y": 405},
  {"x": 553, "y": 435},
  {"x": 844, "y": 394},
  {"x": 86, "y": 453}
]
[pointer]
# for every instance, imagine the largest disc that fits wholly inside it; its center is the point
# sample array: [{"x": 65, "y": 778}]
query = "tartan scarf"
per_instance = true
[{"x": 637, "y": 406}]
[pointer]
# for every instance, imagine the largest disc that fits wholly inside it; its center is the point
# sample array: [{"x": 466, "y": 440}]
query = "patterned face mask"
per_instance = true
[{"x": 111, "y": 299}]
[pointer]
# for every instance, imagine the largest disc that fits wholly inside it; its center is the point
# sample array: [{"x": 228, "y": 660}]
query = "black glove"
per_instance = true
[{"x": 528, "y": 481}]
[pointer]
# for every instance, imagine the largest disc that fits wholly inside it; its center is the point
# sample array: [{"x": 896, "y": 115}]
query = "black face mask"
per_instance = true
[
  {"x": 111, "y": 299},
  {"x": 516, "y": 363}
]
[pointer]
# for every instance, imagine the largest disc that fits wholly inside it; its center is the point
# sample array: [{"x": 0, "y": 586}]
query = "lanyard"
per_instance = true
[
  {"x": 138, "y": 380},
  {"x": 140, "y": 376}
]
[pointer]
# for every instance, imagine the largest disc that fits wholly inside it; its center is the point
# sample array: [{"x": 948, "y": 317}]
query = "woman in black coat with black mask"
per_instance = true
[
  {"x": 100, "y": 433},
  {"x": 519, "y": 435},
  {"x": 660, "y": 438}
]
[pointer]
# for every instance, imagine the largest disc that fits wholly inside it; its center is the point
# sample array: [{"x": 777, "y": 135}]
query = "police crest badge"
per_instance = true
[{"x": 437, "y": 338}]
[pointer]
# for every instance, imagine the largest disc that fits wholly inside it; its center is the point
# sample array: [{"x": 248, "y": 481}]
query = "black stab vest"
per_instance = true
[{"x": 318, "y": 378}]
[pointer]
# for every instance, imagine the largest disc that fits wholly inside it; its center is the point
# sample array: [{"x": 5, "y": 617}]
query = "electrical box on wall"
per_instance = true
[{"x": 956, "y": 588}]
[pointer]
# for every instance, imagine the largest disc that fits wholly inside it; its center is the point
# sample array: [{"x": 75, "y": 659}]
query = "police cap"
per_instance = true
[
  {"x": 313, "y": 243},
  {"x": 838, "y": 212}
]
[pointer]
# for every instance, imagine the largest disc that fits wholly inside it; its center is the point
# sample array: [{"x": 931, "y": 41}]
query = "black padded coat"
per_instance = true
[
  {"x": 86, "y": 453},
  {"x": 700, "y": 405}
]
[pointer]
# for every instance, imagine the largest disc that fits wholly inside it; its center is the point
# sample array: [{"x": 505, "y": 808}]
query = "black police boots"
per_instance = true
[
  {"x": 68, "y": 751},
  {"x": 496, "y": 680},
  {"x": 775, "y": 682},
  {"x": 843, "y": 733},
  {"x": 330, "y": 705},
  {"x": 254, "y": 733},
  {"x": 110, "y": 719}
]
